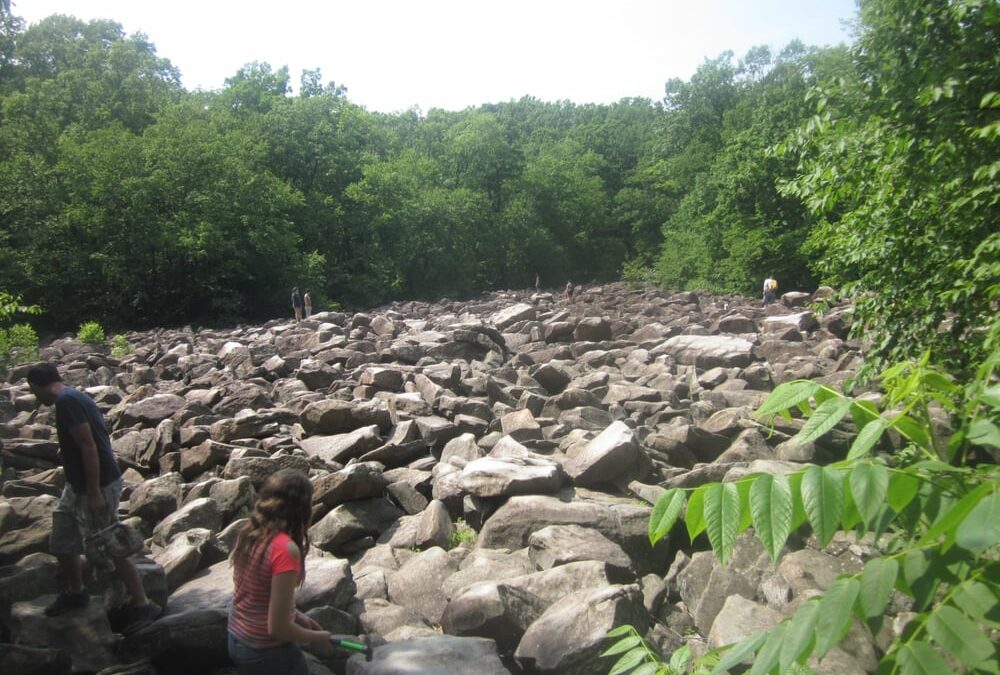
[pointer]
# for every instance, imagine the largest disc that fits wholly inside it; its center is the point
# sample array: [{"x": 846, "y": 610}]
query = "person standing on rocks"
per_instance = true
[
  {"x": 569, "y": 291},
  {"x": 297, "y": 303},
  {"x": 307, "y": 303},
  {"x": 268, "y": 564},
  {"x": 770, "y": 286},
  {"x": 90, "y": 498}
]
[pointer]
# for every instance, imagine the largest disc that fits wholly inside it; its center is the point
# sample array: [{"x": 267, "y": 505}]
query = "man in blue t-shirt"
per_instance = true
[{"x": 90, "y": 498}]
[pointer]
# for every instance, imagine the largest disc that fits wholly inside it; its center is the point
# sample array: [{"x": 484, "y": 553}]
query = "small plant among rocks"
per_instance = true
[
  {"x": 463, "y": 534},
  {"x": 120, "y": 346},
  {"x": 90, "y": 332}
]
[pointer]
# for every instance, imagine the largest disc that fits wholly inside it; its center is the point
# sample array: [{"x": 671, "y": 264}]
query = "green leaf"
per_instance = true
[
  {"x": 623, "y": 645},
  {"x": 824, "y": 418},
  {"x": 863, "y": 412},
  {"x": 771, "y": 507},
  {"x": 984, "y": 432},
  {"x": 903, "y": 488},
  {"x": 743, "y": 487},
  {"x": 869, "y": 486},
  {"x": 921, "y": 582},
  {"x": 629, "y": 661},
  {"x": 951, "y": 519},
  {"x": 939, "y": 382},
  {"x": 736, "y": 654},
  {"x": 834, "y": 613},
  {"x": 798, "y": 635},
  {"x": 799, "y": 516},
  {"x": 649, "y": 668},
  {"x": 722, "y": 518},
  {"x": 919, "y": 658},
  {"x": 913, "y": 430},
  {"x": 665, "y": 512},
  {"x": 824, "y": 394},
  {"x": 955, "y": 632},
  {"x": 849, "y": 517},
  {"x": 823, "y": 498},
  {"x": 878, "y": 578},
  {"x": 991, "y": 396},
  {"x": 786, "y": 396},
  {"x": 867, "y": 438},
  {"x": 974, "y": 598},
  {"x": 620, "y": 630},
  {"x": 767, "y": 657},
  {"x": 694, "y": 515},
  {"x": 681, "y": 658},
  {"x": 981, "y": 528}
]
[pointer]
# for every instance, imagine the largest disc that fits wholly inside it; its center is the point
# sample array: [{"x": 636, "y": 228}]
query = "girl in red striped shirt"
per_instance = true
[{"x": 268, "y": 564}]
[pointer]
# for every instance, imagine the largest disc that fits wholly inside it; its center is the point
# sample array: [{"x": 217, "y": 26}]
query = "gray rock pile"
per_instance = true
[{"x": 484, "y": 472}]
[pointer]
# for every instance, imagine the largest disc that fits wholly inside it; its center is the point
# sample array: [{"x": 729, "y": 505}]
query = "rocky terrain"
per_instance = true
[{"x": 484, "y": 472}]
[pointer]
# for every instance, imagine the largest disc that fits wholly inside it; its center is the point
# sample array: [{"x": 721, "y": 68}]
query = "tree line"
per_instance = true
[{"x": 126, "y": 199}]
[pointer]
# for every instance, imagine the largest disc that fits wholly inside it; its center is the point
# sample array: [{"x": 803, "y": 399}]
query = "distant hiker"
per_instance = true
[
  {"x": 268, "y": 563},
  {"x": 89, "y": 501},
  {"x": 569, "y": 291},
  {"x": 297, "y": 303},
  {"x": 307, "y": 303},
  {"x": 538, "y": 282},
  {"x": 770, "y": 286}
]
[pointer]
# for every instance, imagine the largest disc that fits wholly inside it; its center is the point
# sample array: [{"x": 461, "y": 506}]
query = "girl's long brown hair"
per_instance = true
[{"x": 283, "y": 505}]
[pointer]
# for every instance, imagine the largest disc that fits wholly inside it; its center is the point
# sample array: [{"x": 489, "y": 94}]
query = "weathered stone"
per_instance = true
[
  {"x": 343, "y": 447},
  {"x": 570, "y": 636},
  {"x": 441, "y": 655},
  {"x": 202, "y": 513},
  {"x": 356, "y": 481},
  {"x": 493, "y": 477},
  {"x": 560, "y": 544},
  {"x": 331, "y": 416},
  {"x": 605, "y": 458},
  {"x": 708, "y": 351}
]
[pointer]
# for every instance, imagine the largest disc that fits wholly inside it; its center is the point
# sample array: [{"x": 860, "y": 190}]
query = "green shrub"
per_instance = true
[
  {"x": 463, "y": 534},
  {"x": 120, "y": 346},
  {"x": 91, "y": 333},
  {"x": 18, "y": 344}
]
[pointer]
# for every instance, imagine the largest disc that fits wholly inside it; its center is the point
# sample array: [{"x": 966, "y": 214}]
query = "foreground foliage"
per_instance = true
[{"x": 936, "y": 518}]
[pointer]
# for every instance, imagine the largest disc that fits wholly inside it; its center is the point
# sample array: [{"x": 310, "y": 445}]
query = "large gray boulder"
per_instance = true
[
  {"x": 570, "y": 636},
  {"x": 708, "y": 351},
  {"x": 496, "y": 477},
  {"x": 418, "y": 584},
  {"x": 605, "y": 458},
  {"x": 492, "y": 610},
  {"x": 560, "y": 544},
  {"x": 340, "y": 448}
]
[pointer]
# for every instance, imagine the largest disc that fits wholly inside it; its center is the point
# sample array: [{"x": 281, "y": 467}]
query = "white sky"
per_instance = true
[{"x": 394, "y": 54}]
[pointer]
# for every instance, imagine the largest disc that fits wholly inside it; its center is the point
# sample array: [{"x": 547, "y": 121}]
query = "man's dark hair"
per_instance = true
[{"x": 43, "y": 375}]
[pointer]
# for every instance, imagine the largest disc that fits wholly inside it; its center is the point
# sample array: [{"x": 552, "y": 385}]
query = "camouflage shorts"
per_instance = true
[{"x": 72, "y": 519}]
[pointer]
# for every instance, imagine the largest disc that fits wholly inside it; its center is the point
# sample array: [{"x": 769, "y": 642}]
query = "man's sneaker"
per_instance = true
[
  {"x": 67, "y": 602},
  {"x": 136, "y": 618}
]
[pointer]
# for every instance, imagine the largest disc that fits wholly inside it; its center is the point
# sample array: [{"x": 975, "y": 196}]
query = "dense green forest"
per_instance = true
[{"x": 126, "y": 199}]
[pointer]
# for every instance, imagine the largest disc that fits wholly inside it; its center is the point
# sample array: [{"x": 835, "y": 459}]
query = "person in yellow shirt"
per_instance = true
[{"x": 770, "y": 286}]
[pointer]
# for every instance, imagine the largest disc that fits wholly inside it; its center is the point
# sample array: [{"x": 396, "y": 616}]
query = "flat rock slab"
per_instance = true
[
  {"x": 443, "y": 655},
  {"x": 708, "y": 351}
]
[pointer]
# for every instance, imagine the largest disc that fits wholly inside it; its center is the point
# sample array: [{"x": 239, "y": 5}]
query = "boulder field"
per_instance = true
[{"x": 484, "y": 472}]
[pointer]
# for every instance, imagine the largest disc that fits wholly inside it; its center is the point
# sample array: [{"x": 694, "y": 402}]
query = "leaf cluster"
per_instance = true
[{"x": 938, "y": 523}]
